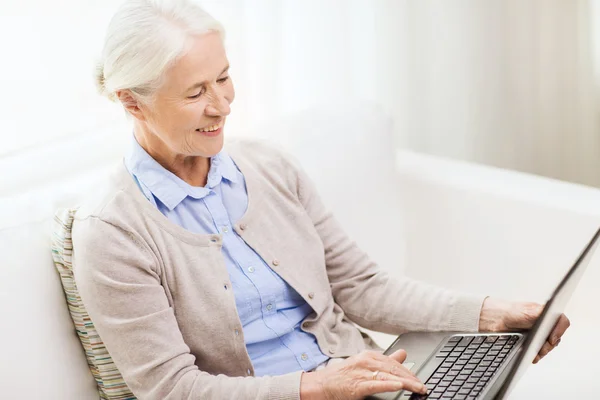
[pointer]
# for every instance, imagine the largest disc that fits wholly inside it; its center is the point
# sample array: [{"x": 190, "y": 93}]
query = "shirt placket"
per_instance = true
[{"x": 255, "y": 270}]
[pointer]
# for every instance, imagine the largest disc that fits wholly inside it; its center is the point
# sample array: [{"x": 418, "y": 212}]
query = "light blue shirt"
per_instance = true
[{"x": 270, "y": 310}]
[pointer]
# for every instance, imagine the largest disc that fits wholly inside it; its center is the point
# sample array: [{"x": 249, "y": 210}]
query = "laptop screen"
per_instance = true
[{"x": 554, "y": 308}]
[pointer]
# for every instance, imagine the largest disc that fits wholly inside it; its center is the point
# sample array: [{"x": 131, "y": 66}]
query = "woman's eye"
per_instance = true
[
  {"x": 195, "y": 96},
  {"x": 223, "y": 80}
]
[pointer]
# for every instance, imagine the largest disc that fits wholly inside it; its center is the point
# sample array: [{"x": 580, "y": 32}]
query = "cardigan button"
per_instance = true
[
  {"x": 243, "y": 227},
  {"x": 311, "y": 295},
  {"x": 332, "y": 350},
  {"x": 275, "y": 262}
]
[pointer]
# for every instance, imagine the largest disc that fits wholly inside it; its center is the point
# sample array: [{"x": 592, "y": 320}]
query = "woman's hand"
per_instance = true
[
  {"x": 503, "y": 316},
  {"x": 353, "y": 378}
]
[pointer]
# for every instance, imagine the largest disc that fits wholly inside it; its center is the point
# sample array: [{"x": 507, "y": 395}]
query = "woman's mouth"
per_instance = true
[{"x": 213, "y": 130}]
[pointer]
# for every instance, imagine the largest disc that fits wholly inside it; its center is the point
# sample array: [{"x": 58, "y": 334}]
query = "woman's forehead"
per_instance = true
[{"x": 203, "y": 59}]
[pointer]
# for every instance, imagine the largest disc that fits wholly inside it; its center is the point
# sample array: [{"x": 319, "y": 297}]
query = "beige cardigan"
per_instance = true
[{"x": 161, "y": 299}]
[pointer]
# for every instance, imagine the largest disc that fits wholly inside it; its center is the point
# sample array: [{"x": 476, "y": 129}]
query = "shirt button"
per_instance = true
[
  {"x": 275, "y": 262},
  {"x": 237, "y": 332},
  {"x": 269, "y": 307},
  {"x": 304, "y": 357},
  {"x": 311, "y": 295},
  {"x": 249, "y": 372},
  {"x": 243, "y": 227},
  {"x": 225, "y": 229},
  {"x": 250, "y": 269}
]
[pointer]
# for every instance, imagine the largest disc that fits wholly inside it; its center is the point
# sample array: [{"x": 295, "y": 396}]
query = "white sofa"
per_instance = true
[{"x": 461, "y": 225}]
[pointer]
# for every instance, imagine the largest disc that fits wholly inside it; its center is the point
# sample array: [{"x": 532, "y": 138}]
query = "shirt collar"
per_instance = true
[{"x": 168, "y": 187}]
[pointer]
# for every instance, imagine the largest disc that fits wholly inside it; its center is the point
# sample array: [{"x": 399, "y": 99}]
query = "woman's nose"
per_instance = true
[{"x": 218, "y": 107}]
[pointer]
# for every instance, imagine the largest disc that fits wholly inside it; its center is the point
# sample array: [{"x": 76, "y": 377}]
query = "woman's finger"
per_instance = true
[
  {"x": 388, "y": 364},
  {"x": 559, "y": 329},
  {"x": 371, "y": 386},
  {"x": 546, "y": 348}
]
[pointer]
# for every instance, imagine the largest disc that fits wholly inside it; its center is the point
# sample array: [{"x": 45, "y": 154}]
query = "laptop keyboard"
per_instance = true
[{"x": 469, "y": 362}]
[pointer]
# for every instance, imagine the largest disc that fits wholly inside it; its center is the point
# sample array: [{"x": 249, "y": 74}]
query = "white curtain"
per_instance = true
[{"x": 506, "y": 82}]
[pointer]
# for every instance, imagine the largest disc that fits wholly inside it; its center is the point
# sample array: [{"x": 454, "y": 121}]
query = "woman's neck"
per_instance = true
[{"x": 191, "y": 169}]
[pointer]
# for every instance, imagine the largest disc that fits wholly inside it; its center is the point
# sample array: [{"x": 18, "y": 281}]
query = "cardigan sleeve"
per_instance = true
[
  {"x": 118, "y": 280},
  {"x": 368, "y": 295}
]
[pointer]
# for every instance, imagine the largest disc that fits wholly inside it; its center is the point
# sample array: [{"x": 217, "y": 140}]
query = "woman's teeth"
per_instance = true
[{"x": 209, "y": 129}]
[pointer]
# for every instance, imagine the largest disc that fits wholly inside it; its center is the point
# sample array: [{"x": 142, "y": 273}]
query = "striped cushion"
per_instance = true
[{"x": 111, "y": 385}]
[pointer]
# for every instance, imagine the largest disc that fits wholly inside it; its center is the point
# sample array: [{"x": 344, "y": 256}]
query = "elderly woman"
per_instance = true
[{"x": 216, "y": 272}]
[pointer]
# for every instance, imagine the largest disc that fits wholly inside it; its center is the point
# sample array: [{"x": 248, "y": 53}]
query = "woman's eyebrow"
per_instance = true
[{"x": 196, "y": 85}]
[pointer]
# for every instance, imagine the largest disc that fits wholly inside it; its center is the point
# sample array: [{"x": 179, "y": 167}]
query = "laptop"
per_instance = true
[{"x": 483, "y": 366}]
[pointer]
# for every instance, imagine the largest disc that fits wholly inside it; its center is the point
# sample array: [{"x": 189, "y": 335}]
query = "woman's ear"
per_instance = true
[{"x": 131, "y": 104}]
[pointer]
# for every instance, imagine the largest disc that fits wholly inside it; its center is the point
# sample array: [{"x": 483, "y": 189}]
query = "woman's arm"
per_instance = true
[
  {"x": 368, "y": 295},
  {"x": 118, "y": 280}
]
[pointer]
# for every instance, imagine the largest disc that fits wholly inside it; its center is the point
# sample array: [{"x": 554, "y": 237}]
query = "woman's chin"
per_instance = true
[{"x": 209, "y": 148}]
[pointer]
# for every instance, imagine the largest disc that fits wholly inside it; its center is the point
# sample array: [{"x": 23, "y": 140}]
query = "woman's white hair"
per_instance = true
[{"x": 144, "y": 38}]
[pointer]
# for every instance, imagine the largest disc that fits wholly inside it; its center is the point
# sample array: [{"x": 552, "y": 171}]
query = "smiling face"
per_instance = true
[{"x": 188, "y": 112}]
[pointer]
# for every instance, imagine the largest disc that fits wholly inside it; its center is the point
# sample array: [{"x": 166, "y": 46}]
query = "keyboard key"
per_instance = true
[
  {"x": 478, "y": 340},
  {"x": 416, "y": 396},
  {"x": 491, "y": 339},
  {"x": 465, "y": 341},
  {"x": 454, "y": 339}
]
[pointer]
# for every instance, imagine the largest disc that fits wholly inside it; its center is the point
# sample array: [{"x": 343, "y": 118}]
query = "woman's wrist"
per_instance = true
[
  {"x": 310, "y": 389},
  {"x": 493, "y": 313}
]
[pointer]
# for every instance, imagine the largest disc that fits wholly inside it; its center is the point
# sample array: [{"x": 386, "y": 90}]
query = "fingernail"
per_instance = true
[
  {"x": 555, "y": 340},
  {"x": 424, "y": 389}
]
